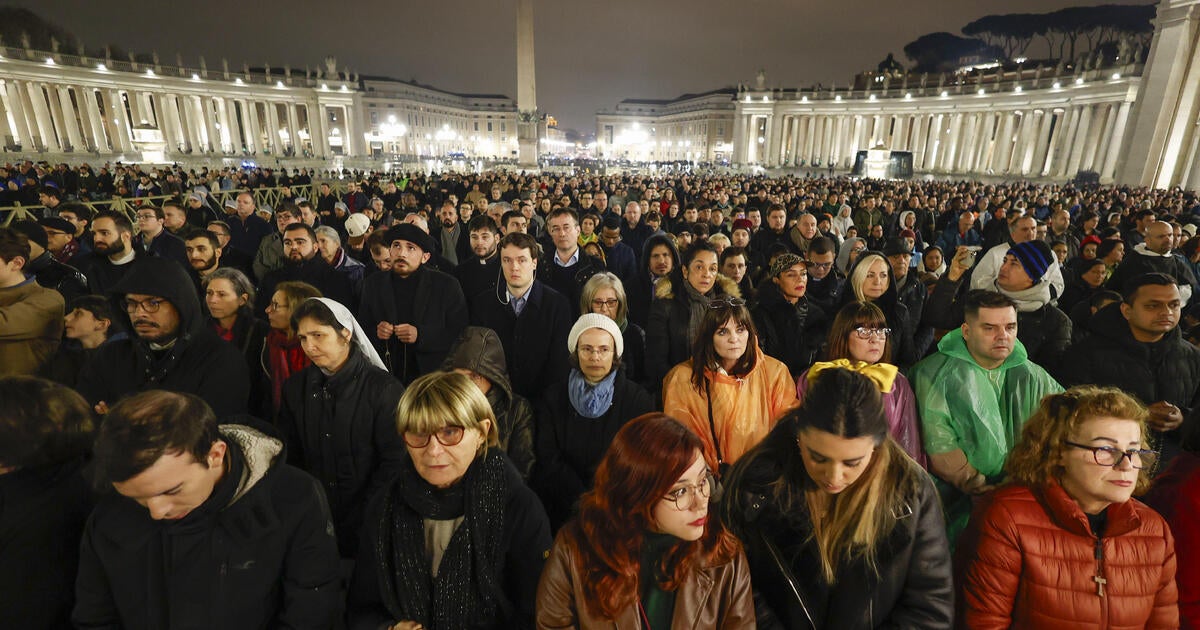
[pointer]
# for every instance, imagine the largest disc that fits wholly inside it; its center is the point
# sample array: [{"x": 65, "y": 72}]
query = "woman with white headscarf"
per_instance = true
[{"x": 337, "y": 416}]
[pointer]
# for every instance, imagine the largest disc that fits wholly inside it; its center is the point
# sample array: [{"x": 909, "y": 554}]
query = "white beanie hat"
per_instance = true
[{"x": 587, "y": 321}]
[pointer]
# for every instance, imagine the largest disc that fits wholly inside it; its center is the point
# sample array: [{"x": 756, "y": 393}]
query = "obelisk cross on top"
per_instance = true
[{"x": 528, "y": 118}]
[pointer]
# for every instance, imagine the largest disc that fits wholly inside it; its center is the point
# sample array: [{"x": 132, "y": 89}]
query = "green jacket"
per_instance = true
[{"x": 963, "y": 406}]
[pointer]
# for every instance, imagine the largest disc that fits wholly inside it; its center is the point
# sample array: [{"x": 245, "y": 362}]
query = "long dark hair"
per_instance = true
[{"x": 704, "y": 355}]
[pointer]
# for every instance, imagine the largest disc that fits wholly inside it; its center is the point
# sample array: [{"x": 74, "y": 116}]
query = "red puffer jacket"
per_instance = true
[{"x": 1033, "y": 562}]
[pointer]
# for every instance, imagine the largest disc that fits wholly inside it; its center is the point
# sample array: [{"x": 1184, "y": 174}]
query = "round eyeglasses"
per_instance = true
[{"x": 690, "y": 496}]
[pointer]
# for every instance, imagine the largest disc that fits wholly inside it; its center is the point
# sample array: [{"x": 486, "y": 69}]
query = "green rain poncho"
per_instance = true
[{"x": 964, "y": 406}]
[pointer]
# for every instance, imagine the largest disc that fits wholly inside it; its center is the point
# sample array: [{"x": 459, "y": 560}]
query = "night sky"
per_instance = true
[{"x": 590, "y": 55}]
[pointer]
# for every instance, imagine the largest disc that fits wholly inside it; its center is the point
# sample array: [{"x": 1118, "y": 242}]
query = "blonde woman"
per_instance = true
[{"x": 842, "y": 530}]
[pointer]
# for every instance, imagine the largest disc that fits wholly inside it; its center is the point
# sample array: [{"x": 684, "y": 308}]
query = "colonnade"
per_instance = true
[
  {"x": 1052, "y": 140},
  {"x": 66, "y": 117}
]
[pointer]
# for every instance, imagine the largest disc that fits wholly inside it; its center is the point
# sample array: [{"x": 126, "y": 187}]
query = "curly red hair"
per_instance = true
[{"x": 646, "y": 458}]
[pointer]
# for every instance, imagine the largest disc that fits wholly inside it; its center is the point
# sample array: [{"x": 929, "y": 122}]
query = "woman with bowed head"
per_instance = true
[
  {"x": 861, "y": 341},
  {"x": 729, "y": 392},
  {"x": 229, "y": 296},
  {"x": 281, "y": 354},
  {"x": 842, "y": 530},
  {"x": 1066, "y": 545},
  {"x": 336, "y": 416},
  {"x": 644, "y": 551},
  {"x": 454, "y": 539},
  {"x": 579, "y": 417},
  {"x": 679, "y": 304},
  {"x": 604, "y": 293}
]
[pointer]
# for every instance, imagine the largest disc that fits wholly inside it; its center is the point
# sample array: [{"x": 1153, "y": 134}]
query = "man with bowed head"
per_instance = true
[{"x": 973, "y": 396}]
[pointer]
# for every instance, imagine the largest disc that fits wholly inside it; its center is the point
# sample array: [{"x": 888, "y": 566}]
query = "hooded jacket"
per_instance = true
[
  {"x": 667, "y": 341},
  {"x": 1168, "y": 370},
  {"x": 1033, "y": 560},
  {"x": 259, "y": 553},
  {"x": 744, "y": 409},
  {"x": 981, "y": 412},
  {"x": 480, "y": 350},
  {"x": 640, "y": 290},
  {"x": 197, "y": 362},
  {"x": 341, "y": 429}
]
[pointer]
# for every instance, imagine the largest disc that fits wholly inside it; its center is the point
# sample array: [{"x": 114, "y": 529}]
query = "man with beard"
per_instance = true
[
  {"x": 480, "y": 271},
  {"x": 153, "y": 237},
  {"x": 455, "y": 242},
  {"x": 416, "y": 312},
  {"x": 172, "y": 347},
  {"x": 204, "y": 256},
  {"x": 112, "y": 251},
  {"x": 303, "y": 264},
  {"x": 270, "y": 255}
]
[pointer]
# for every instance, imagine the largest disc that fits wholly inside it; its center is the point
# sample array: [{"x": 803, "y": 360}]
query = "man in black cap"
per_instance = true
[
  {"x": 60, "y": 234},
  {"x": 79, "y": 216},
  {"x": 49, "y": 273},
  {"x": 302, "y": 261},
  {"x": 416, "y": 312},
  {"x": 172, "y": 347}
]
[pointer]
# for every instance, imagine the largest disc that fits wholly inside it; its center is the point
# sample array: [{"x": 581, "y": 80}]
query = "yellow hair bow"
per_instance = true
[{"x": 884, "y": 374}]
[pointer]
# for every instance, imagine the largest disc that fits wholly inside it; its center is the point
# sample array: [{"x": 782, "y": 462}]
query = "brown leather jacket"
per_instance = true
[{"x": 711, "y": 597}]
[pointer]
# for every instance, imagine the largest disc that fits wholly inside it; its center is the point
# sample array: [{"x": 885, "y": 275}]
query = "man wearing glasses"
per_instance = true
[
  {"x": 973, "y": 397},
  {"x": 825, "y": 281},
  {"x": 171, "y": 348},
  {"x": 154, "y": 239}
]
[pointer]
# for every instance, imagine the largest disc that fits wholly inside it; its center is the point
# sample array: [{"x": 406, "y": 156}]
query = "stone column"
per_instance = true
[
  {"x": 774, "y": 139},
  {"x": 21, "y": 133},
  {"x": 187, "y": 122},
  {"x": 95, "y": 118},
  {"x": 933, "y": 143},
  {"x": 257, "y": 136},
  {"x": 164, "y": 122},
  {"x": 1038, "y": 167},
  {"x": 1085, "y": 123},
  {"x": 1062, "y": 150},
  {"x": 272, "y": 123},
  {"x": 122, "y": 137},
  {"x": 1115, "y": 143},
  {"x": 1099, "y": 123},
  {"x": 952, "y": 145},
  {"x": 527, "y": 122},
  {"x": 70, "y": 121},
  {"x": 227, "y": 122},
  {"x": 294, "y": 128}
]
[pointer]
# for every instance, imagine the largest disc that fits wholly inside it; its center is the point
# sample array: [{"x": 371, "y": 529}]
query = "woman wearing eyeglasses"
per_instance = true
[
  {"x": 578, "y": 418},
  {"x": 680, "y": 301},
  {"x": 336, "y": 414},
  {"x": 842, "y": 530},
  {"x": 454, "y": 539},
  {"x": 861, "y": 341},
  {"x": 729, "y": 392},
  {"x": 1066, "y": 545},
  {"x": 644, "y": 552},
  {"x": 604, "y": 293}
]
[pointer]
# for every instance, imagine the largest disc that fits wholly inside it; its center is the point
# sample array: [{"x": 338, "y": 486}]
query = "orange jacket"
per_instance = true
[
  {"x": 744, "y": 410},
  {"x": 1033, "y": 563}
]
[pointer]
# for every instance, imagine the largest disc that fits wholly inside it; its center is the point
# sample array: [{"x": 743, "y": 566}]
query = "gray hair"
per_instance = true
[
  {"x": 329, "y": 233},
  {"x": 241, "y": 284},
  {"x": 503, "y": 205}
]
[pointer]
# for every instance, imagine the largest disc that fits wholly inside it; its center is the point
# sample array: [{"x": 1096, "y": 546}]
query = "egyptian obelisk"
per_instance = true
[{"x": 528, "y": 119}]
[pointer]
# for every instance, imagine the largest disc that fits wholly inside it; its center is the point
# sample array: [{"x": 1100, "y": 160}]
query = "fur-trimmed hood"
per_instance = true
[{"x": 665, "y": 289}]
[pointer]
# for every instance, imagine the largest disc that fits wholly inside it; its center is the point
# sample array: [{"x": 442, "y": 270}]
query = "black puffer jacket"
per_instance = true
[
  {"x": 569, "y": 446},
  {"x": 912, "y": 587},
  {"x": 197, "y": 363},
  {"x": 479, "y": 350},
  {"x": 792, "y": 333},
  {"x": 65, "y": 279},
  {"x": 259, "y": 553},
  {"x": 1168, "y": 370},
  {"x": 342, "y": 430}
]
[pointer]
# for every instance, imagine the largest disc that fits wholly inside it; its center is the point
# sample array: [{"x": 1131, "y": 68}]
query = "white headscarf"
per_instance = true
[{"x": 343, "y": 317}]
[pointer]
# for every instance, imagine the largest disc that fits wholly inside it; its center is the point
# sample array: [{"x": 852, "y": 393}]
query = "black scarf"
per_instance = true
[{"x": 467, "y": 590}]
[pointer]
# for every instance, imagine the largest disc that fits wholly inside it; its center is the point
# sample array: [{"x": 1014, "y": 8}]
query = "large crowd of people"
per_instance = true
[{"x": 509, "y": 400}]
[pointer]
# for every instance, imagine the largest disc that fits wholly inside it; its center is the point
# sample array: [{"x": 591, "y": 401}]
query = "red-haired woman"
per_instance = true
[{"x": 643, "y": 553}]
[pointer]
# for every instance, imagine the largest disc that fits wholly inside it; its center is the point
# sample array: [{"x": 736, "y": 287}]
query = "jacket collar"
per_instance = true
[{"x": 1065, "y": 512}]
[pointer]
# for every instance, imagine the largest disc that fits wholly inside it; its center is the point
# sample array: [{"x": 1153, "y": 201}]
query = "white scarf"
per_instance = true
[{"x": 343, "y": 317}]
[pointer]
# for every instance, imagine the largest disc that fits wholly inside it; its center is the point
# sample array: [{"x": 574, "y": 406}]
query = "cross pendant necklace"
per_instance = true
[{"x": 1100, "y": 582}]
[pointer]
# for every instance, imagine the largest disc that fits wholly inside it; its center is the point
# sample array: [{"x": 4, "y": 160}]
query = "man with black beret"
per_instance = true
[
  {"x": 416, "y": 312},
  {"x": 42, "y": 266}
]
